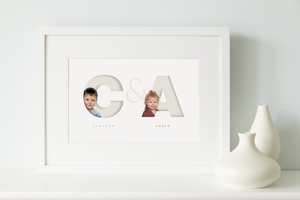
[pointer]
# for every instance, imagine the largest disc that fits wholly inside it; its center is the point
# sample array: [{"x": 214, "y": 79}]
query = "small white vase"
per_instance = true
[
  {"x": 267, "y": 139},
  {"x": 246, "y": 166}
]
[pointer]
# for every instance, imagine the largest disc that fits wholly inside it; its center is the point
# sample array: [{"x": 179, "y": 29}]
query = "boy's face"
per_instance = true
[
  {"x": 89, "y": 101},
  {"x": 152, "y": 103}
]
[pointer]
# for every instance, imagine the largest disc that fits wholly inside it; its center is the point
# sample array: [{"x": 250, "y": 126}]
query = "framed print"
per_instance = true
[{"x": 132, "y": 100}]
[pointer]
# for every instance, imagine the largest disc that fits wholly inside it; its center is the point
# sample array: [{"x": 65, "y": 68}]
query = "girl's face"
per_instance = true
[
  {"x": 90, "y": 101},
  {"x": 152, "y": 103}
]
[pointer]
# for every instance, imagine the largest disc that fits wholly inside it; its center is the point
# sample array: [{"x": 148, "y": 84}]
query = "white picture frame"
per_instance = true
[{"x": 202, "y": 56}]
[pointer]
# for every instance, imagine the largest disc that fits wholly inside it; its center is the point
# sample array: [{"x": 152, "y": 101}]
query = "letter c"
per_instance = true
[{"x": 114, "y": 84}]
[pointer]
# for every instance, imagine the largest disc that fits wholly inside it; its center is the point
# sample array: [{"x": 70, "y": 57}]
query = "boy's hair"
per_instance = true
[
  {"x": 91, "y": 91},
  {"x": 151, "y": 94}
]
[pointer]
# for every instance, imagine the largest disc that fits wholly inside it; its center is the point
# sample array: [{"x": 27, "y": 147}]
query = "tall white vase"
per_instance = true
[
  {"x": 267, "y": 139},
  {"x": 246, "y": 166}
]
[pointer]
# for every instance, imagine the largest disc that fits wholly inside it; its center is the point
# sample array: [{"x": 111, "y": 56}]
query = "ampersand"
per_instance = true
[{"x": 134, "y": 91}]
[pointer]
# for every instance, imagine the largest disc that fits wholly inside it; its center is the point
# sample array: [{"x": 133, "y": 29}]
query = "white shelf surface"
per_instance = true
[{"x": 25, "y": 184}]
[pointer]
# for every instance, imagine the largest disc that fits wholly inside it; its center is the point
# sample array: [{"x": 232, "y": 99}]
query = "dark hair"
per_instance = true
[{"x": 91, "y": 91}]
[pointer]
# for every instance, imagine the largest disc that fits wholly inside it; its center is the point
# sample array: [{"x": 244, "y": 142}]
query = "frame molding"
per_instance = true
[{"x": 41, "y": 51}]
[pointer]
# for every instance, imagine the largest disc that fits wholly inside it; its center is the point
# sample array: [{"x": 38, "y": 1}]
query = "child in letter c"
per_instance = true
[
  {"x": 151, "y": 103},
  {"x": 90, "y": 97}
]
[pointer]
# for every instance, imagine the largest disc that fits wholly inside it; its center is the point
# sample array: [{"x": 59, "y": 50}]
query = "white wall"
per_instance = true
[{"x": 265, "y": 60}]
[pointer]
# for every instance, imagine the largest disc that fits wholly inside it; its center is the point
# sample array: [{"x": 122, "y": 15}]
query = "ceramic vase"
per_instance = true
[
  {"x": 246, "y": 166},
  {"x": 267, "y": 139}
]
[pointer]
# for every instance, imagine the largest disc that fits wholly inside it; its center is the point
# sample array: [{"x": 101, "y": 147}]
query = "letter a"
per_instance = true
[{"x": 164, "y": 83}]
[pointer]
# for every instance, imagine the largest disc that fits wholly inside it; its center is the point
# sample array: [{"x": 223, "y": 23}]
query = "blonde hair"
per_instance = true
[{"x": 151, "y": 94}]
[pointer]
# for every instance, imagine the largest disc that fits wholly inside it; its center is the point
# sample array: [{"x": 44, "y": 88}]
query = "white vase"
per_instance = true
[
  {"x": 267, "y": 139},
  {"x": 246, "y": 166}
]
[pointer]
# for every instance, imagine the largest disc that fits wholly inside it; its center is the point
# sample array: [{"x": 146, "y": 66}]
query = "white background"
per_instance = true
[
  {"x": 265, "y": 62},
  {"x": 184, "y": 75}
]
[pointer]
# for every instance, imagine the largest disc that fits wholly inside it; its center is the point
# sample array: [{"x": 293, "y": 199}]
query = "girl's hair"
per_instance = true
[{"x": 150, "y": 94}]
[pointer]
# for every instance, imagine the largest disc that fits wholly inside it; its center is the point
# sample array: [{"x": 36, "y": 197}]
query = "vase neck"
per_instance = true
[
  {"x": 263, "y": 111},
  {"x": 247, "y": 139}
]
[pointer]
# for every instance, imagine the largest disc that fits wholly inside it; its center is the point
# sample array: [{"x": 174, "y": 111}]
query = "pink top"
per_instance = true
[{"x": 148, "y": 113}]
